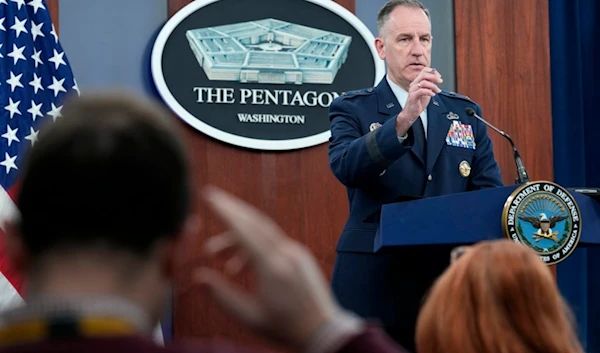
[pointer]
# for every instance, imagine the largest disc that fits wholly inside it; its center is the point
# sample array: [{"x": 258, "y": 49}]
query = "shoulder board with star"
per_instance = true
[
  {"x": 358, "y": 92},
  {"x": 456, "y": 95}
]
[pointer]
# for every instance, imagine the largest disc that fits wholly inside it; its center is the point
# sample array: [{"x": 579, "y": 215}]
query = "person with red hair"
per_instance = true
[{"x": 497, "y": 297}]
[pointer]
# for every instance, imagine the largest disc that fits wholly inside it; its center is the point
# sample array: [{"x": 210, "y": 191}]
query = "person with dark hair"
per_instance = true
[
  {"x": 496, "y": 297},
  {"x": 405, "y": 138},
  {"x": 104, "y": 204}
]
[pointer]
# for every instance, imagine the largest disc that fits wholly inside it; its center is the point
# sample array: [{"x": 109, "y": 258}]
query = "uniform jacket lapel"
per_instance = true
[{"x": 437, "y": 130}]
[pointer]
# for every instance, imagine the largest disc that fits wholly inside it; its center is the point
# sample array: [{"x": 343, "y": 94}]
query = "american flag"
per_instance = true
[{"x": 35, "y": 78}]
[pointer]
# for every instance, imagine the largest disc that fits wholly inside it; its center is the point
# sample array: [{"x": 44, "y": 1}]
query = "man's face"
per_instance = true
[
  {"x": 405, "y": 44},
  {"x": 545, "y": 226}
]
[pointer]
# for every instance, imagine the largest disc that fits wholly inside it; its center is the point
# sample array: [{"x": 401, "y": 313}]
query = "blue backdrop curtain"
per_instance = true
[{"x": 575, "y": 70}]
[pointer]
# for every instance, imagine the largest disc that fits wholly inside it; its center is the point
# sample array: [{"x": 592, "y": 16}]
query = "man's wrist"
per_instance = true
[
  {"x": 403, "y": 124},
  {"x": 401, "y": 139}
]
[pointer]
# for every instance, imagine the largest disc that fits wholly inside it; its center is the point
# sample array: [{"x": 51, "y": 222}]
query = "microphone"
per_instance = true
[{"x": 522, "y": 176}]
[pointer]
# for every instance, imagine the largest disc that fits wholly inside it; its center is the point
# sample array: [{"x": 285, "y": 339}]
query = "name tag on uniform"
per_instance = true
[{"x": 461, "y": 135}]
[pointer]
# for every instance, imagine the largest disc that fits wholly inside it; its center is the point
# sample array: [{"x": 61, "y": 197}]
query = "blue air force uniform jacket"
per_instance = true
[
  {"x": 377, "y": 169},
  {"x": 367, "y": 157}
]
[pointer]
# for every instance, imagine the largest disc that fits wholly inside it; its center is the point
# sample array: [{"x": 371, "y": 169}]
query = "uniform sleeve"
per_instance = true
[
  {"x": 357, "y": 159},
  {"x": 485, "y": 173}
]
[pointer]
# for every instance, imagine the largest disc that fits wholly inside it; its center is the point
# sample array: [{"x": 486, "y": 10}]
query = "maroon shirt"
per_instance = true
[{"x": 373, "y": 340}]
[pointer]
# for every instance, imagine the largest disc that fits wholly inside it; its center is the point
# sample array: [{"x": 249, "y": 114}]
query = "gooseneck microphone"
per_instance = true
[{"x": 522, "y": 176}]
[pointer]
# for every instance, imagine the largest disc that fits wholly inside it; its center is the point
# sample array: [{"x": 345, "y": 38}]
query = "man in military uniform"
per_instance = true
[{"x": 403, "y": 138}]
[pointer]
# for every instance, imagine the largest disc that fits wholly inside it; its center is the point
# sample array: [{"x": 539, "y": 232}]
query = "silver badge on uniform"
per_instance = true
[{"x": 452, "y": 116}]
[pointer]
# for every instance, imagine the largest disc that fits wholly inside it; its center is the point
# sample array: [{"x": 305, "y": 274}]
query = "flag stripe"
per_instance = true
[{"x": 8, "y": 209}]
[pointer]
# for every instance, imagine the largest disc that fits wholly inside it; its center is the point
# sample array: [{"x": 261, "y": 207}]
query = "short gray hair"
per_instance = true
[{"x": 384, "y": 14}]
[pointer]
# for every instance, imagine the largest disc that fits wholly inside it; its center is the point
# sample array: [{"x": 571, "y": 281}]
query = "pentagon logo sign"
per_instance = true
[
  {"x": 269, "y": 51},
  {"x": 545, "y": 217},
  {"x": 261, "y": 74}
]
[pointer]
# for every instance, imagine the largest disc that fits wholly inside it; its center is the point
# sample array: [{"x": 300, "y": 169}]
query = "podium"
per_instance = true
[
  {"x": 464, "y": 218},
  {"x": 443, "y": 222}
]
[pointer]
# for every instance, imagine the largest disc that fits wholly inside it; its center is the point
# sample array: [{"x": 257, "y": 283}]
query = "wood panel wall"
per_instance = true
[
  {"x": 503, "y": 63},
  {"x": 53, "y": 9}
]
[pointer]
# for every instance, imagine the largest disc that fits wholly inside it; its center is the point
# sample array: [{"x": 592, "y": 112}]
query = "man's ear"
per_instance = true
[
  {"x": 14, "y": 247},
  {"x": 380, "y": 47}
]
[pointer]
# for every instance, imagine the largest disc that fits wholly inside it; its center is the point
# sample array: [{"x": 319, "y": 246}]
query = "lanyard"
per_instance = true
[{"x": 35, "y": 330}]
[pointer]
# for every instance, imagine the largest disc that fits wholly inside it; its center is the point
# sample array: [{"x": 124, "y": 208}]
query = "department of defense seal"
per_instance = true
[{"x": 545, "y": 217}]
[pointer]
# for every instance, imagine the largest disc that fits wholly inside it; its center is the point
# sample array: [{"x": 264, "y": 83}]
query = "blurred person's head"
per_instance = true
[
  {"x": 497, "y": 297},
  {"x": 104, "y": 198}
]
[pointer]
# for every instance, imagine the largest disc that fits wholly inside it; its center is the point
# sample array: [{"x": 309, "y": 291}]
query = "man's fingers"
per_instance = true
[
  {"x": 222, "y": 242},
  {"x": 428, "y": 75},
  {"x": 233, "y": 300},
  {"x": 218, "y": 243},
  {"x": 255, "y": 232},
  {"x": 432, "y": 74},
  {"x": 427, "y": 85},
  {"x": 236, "y": 264},
  {"x": 425, "y": 80},
  {"x": 432, "y": 78},
  {"x": 416, "y": 93}
]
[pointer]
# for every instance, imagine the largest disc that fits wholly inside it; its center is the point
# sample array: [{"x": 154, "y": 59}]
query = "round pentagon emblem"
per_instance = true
[
  {"x": 262, "y": 76},
  {"x": 545, "y": 217}
]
